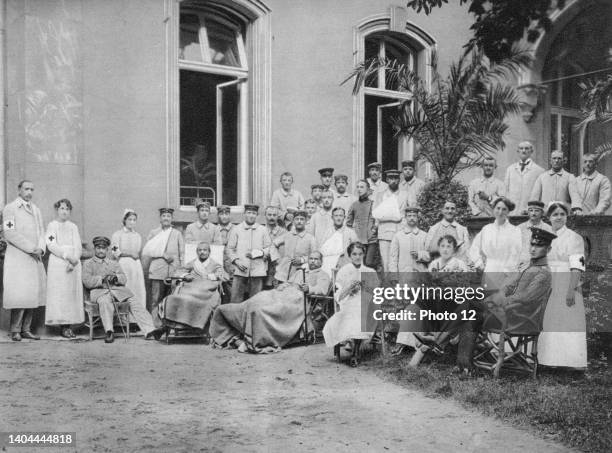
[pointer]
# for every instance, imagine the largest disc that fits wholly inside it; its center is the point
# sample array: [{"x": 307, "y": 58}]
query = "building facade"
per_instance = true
[{"x": 150, "y": 103}]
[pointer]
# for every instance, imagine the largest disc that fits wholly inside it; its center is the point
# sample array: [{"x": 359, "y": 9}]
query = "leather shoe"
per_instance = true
[
  {"x": 15, "y": 336},
  {"x": 155, "y": 333},
  {"x": 29, "y": 336},
  {"x": 110, "y": 337}
]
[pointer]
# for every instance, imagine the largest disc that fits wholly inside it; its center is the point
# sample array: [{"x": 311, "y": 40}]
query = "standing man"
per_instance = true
[
  {"x": 165, "y": 249},
  {"x": 249, "y": 249},
  {"x": 592, "y": 189},
  {"x": 388, "y": 208},
  {"x": 410, "y": 184},
  {"x": 535, "y": 211},
  {"x": 24, "y": 274},
  {"x": 555, "y": 184},
  {"x": 521, "y": 177},
  {"x": 360, "y": 219},
  {"x": 299, "y": 244},
  {"x": 201, "y": 230},
  {"x": 342, "y": 199},
  {"x": 286, "y": 196},
  {"x": 327, "y": 176},
  {"x": 407, "y": 250},
  {"x": 222, "y": 233},
  {"x": 322, "y": 221},
  {"x": 375, "y": 181},
  {"x": 277, "y": 236},
  {"x": 482, "y": 191},
  {"x": 448, "y": 226}
]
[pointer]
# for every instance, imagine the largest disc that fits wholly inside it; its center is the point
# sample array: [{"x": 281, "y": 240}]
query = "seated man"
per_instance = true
[
  {"x": 193, "y": 302},
  {"x": 271, "y": 319},
  {"x": 521, "y": 297},
  {"x": 106, "y": 281}
]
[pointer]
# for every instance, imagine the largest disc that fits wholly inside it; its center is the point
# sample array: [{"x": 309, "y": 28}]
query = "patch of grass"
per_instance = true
[{"x": 573, "y": 408}]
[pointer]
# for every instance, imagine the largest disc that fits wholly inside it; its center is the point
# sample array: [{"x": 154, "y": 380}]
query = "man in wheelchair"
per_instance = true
[
  {"x": 196, "y": 293},
  {"x": 515, "y": 309},
  {"x": 271, "y": 319},
  {"x": 106, "y": 281}
]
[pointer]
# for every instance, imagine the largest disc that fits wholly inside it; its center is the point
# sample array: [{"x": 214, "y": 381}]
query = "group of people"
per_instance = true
[{"x": 247, "y": 282}]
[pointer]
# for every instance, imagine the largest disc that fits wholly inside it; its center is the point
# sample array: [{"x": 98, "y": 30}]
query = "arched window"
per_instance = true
[
  {"x": 219, "y": 101},
  {"x": 388, "y": 36}
]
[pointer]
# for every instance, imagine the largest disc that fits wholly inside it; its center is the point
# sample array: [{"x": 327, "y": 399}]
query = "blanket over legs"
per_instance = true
[
  {"x": 267, "y": 321},
  {"x": 192, "y": 304}
]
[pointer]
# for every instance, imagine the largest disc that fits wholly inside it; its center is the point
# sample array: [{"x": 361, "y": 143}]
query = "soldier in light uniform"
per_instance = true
[
  {"x": 327, "y": 177},
  {"x": 555, "y": 184},
  {"x": 24, "y": 274},
  {"x": 316, "y": 191},
  {"x": 202, "y": 230},
  {"x": 448, "y": 226},
  {"x": 277, "y": 250},
  {"x": 482, "y": 191},
  {"x": 249, "y": 250},
  {"x": 375, "y": 181},
  {"x": 298, "y": 245},
  {"x": 593, "y": 190},
  {"x": 342, "y": 198},
  {"x": 224, "y": 227},
  {"x": 410, "y": 184},
  {"x": 165, "y": 249},
  {"x": 286, "y": 197},
  {"x": 535, "y": 210}
]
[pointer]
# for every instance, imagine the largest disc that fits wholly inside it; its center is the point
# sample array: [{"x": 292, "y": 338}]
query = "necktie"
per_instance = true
[{"x": 523, "y": 165}]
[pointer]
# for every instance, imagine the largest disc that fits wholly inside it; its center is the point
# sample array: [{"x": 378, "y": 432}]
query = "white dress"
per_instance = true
[
  {"x": 498, "y": 248},
  {"x": 64, "y": 284},
  {"x": 345, "y": 324},
  {"x": 126, "y": 241},
  {"x": 563, "y": 341}
]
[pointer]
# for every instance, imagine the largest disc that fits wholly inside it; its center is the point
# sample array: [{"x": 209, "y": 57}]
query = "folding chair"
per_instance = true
[
  {"x": 516, "y": 349},
  {"x": 93, "y": 320}
]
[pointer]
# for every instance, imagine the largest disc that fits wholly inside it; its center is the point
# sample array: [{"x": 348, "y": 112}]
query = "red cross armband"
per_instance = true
[{"x": 577, "y": 262}]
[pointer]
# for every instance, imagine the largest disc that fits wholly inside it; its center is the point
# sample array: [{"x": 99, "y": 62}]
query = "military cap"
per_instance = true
[
  {"x": 412, "y": 209},
  {"x": 317, "y": 186},
  {"x": 407, "y": 163},
  {"x": 536, "y": 204},
  {"x": 202, "y": 203},
  {"x": 327, "y": 170},
  {"x": 541, "y": 237},
  {"x": 300, "y": 213},
  {"x": 341, "y": 178},
  {"x": 392, "y": 173},
  {"x": 166, "y": 211},
  {"x": 223, "y": 208},
  {"x": 375, "y": 165},
  {"x": 291, "y": 210},
  {"x": 101, "y": 241},
  {"x": 251, "y": 207}
]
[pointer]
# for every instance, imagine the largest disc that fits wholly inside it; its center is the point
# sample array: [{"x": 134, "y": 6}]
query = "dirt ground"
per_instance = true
[{"x": 142, "y": 396}]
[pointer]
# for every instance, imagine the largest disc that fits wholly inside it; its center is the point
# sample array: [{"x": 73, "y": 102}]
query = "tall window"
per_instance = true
[
  {"x": 213, "y": 80},
  {"x": 381, "y": 98},
  {"x": 566, "y": 65}
]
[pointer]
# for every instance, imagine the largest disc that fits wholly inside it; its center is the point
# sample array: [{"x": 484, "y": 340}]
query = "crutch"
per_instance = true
[
  {"x": 305, "y": 306},
  {"x": 116, "y": 305}
]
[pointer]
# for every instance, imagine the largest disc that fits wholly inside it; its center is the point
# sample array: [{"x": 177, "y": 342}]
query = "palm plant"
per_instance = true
[
  {"x": 461, "y": 119},
  {"x": 596, "y": 102}
]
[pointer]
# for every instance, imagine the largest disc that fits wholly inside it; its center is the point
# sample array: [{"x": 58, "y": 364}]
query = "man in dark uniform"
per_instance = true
[
  {"x": 521, "y": 296},
  {"x": 106, "y": 281}
]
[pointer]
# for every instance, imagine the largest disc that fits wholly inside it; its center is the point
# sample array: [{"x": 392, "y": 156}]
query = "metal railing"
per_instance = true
[{"x": 190, "y": 195}]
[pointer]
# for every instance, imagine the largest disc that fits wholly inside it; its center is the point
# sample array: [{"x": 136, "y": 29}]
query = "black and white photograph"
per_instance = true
[{"x": 305, "y": 225}]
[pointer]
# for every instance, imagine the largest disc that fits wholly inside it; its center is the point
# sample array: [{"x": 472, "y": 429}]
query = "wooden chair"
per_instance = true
[
  {"x": 516, "y": 348},
  {"x": 93, "y": 320}
]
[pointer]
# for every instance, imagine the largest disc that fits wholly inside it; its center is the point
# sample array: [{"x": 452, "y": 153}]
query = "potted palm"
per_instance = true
[{"x": 456, "y": 122}]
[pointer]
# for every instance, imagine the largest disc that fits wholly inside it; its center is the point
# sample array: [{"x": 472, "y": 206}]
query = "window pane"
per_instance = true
[
  {"x": 554, "y": 144},
  {"x": 198, "y": 123},
  {"x": 223, "y": 47},
  {"x": 189, "y": 40},
  {"x": 570, "y": 145},
  {"x": 371, "y": 53},
  {"x": 389, "y": 144}
]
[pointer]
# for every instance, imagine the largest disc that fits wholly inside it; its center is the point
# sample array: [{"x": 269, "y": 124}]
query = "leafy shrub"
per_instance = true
[{"x": 435, "y": 194}]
